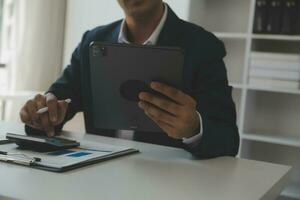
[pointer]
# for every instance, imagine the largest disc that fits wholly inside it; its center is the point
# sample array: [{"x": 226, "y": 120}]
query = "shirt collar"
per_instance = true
[{"x": 152, "y": 40}]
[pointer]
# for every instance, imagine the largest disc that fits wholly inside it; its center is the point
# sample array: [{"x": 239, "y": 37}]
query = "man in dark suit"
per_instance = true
[{"x": 200, "y": 119}]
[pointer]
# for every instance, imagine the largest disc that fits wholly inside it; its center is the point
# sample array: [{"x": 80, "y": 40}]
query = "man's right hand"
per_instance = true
[{"x": 45, "y": 121}]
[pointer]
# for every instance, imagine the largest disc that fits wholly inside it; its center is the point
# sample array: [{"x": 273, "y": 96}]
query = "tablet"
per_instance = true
[{"x": 119, "y": 72}]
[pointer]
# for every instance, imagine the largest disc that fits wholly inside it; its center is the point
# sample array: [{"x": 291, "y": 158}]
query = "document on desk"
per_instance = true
[{"x": 64, "y": 160}]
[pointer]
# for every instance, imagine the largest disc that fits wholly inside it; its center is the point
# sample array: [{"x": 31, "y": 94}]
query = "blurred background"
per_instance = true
[{"x": 262, "y": 38}]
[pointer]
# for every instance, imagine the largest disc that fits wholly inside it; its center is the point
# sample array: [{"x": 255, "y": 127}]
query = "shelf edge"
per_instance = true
[{"x": 272, "y": 140}]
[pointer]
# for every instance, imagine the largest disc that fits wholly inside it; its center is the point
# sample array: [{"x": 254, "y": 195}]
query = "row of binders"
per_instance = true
[
  {"x": 277, "y": 17},
  {"x": 275, "y": 70}
]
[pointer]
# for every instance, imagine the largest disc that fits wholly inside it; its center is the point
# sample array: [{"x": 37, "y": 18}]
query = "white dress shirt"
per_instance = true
[{"x": 152, "y": 40}]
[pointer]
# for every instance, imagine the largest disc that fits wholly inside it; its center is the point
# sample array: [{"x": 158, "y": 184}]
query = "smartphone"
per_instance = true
[{"x": 41, "y": 143}]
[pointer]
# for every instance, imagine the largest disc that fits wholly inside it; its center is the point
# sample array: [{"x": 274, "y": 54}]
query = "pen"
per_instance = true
[
  {"x": 5, "y": 142},
  {"x": 35, "y": 159},
  {"x": 3, "y": 153},
  {"x": 45, "y": 109}
]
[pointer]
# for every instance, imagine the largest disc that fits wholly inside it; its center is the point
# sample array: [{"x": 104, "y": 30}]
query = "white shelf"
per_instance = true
[
  {"x": 270, "y": 89},
  {"x": 224, "y": 35},
  {"x": 237, "y": 85},
  {"x": 276, "y": 37},
  {"x": 273, "y": 139},
  {"x": 292, "y": 191}
]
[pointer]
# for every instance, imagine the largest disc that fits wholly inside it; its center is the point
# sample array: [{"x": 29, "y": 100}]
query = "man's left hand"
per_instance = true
[{"x": 177, "y": 117}]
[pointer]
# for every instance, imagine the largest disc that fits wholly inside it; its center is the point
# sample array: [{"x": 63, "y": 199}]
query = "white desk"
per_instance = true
[{"x": 157, "y": 173}]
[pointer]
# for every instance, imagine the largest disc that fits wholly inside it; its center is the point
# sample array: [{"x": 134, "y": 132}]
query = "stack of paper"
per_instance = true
[{"x": 275, "y": 70}]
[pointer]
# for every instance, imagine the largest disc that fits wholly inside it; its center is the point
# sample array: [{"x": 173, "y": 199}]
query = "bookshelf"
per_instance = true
[{"x": 268, "y": 117}]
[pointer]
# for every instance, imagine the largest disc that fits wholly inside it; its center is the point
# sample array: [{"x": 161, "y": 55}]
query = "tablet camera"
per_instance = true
[{"x": 99, "y": 51}]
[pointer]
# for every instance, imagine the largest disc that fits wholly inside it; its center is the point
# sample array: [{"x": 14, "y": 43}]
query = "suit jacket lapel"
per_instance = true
[
  {"x": 114, "y": 36},
  {"x": 171, "y": 32}
]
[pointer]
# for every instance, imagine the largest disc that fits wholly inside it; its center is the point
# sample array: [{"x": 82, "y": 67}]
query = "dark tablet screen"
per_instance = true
[{"x": 119, "y": 72}]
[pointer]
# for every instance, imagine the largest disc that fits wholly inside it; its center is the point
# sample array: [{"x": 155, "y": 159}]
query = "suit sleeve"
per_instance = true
[
  {"x": 67, "y": 86},
  {"x": 215, "y": 104}
]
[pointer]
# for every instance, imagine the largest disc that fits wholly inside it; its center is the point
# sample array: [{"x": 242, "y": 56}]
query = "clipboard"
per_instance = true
[
  {"x": 87, "y": 163},
  {"x": 95, "y": 153}
]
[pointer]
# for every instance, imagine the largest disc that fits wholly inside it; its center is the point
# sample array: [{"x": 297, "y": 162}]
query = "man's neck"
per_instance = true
[{"x": 139, "y": 30}]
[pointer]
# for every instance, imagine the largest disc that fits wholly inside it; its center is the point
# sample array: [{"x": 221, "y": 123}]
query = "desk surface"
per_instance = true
[{"x": 156, "y": 173}]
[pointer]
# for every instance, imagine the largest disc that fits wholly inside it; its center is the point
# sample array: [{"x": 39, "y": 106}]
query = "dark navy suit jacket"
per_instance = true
[{"x": 205, "y": 79}]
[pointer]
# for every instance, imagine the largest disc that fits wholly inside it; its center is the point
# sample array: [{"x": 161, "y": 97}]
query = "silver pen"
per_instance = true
[{"x": 45, "y": 109}]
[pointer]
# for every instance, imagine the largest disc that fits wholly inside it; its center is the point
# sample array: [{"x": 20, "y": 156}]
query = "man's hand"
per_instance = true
[
  {"x": 45, "y": 121},
  {"x": 177, "y": 117}
]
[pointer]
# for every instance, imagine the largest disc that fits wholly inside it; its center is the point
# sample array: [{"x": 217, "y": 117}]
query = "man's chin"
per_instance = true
[
  {"x": 138, "y": 12},
  {"x": 134, "y": 4},
  {"x": 139, "y": 9}
]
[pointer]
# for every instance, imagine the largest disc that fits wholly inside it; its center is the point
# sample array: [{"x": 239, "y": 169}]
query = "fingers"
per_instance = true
[
  {"x": 51, "y": 102},
  {"x": 44, "y": 118},
  {"x": 24, "y": 116},
  {"x": 31, "y": 108},
  {"x": 157, "y": 113},
  {"x": 46, "y": 121},
  {"x": 167, "y": 128},
  {"x": 161, "y": 103},
  {"x": 36, "y": 127},
  {"x": 174, "y": 94},
  {"x": 28, "y": 113},
  {"x": 177, "y": 116},
  {"x": 62, "y": 110}
]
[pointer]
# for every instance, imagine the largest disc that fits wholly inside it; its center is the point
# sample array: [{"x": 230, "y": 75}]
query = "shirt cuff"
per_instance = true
[{"x": 195, "y": 139}]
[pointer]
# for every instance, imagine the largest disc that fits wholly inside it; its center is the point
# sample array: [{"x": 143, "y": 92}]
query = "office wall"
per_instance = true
[{"x": 83, "y": 15}]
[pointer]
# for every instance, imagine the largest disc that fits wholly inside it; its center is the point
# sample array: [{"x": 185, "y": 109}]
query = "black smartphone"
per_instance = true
[{"x": 41, "y": 143}]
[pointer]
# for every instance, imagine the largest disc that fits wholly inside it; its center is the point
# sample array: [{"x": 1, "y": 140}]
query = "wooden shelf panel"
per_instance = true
[
  {"x": 273, "y": 139},
  {"x": 276, "y": 37},
  {"x": 225, "y": 35}
]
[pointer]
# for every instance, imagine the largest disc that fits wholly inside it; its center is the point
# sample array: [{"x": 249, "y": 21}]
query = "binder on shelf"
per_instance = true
[
  {"x": 289, "y": 17},
  {"x": 260, "y": 17},
  {"x": 275, "y": 70},
  {"x": 265, "y": 82},
  {"x": 275, "y": 61},
  {"x": 289, "y": 57},
  {"x": 298, "y": 18},
  {"x": 275, "y": 65},
  {"x": 274, "y": 13},
  {"x": 275, "y": 74}
]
